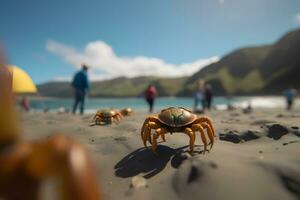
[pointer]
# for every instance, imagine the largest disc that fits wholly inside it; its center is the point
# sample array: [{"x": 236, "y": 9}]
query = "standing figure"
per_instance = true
[
  {"x": 200, "y": 96},
  {"x": 80, "y": 84},
  {"x": 25, "y": 104},
  {"x": 208, "y": 96},
  {"x": 290, "y": 94},
  {"x": 150, "y": 95}
]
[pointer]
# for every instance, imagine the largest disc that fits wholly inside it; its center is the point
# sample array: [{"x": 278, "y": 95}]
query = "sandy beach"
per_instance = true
[{"x": 256, "y": 156}]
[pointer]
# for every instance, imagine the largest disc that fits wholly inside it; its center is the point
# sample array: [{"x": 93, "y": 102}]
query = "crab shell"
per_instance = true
[
  {"x": 176, "y": 117},
  {"x": 106, "y": 113},
  {"x": 127, "y": 111}
]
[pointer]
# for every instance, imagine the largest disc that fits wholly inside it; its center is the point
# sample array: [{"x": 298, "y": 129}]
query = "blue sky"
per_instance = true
[{"x": 50, "y": 38}]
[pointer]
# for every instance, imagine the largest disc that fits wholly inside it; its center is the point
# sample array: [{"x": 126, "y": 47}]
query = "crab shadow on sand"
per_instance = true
[{"x": 143, "y": 160}]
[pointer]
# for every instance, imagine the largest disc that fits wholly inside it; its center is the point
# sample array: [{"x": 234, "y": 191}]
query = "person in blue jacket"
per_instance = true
[
  {"x": 290, "y": 95},
  {"x": 81, "y": 85}
]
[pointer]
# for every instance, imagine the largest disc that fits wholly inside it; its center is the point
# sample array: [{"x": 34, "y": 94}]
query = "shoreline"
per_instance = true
[{"x": 138, "y": 104}]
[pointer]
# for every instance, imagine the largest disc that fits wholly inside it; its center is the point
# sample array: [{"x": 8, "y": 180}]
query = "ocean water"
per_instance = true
[{"x": 93, "y": 104}]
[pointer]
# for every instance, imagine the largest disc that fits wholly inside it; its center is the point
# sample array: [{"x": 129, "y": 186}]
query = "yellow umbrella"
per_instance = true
[{"x": 22, "y": 83}]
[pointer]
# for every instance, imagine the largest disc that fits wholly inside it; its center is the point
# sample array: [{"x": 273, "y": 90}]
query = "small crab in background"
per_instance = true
[
  {"x": 127, "y": 112},
  {"x": 106, "y": 116},
  {"x": 177, "y": 120}
]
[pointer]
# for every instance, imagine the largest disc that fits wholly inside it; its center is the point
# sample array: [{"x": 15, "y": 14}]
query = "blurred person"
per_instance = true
[
  {"x": 248, "y": 108},
  {"x": 61, "y": 110},
  {"x": 81, "y": 85},
  {"x": 25, "y": 104},
  {"x": 208, "y": 95},
  {"x": 230, "y": 106},
  {"x": 200, "y": 96},
  {"x": 290, "y": 94},
  {"x": 150, "y": 95}
]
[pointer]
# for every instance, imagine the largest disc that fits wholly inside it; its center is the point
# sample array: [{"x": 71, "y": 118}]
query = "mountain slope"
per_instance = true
[
  {"x": 233, "y": 73},
  {"x": 255, "y": 70},
  {"x": 282, "y": 65}
]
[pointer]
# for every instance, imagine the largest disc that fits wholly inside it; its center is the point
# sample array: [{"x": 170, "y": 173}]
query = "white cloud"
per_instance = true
[
  {"x": 62, "y": 78},
  {"x": 221, "y": 2},
  {"x": 105, "y": 64},
  {"x": 297, "y": 18}
]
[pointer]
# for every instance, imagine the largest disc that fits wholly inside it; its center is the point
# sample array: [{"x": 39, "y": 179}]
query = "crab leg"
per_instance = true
[
  {"x": 155, "y": 125},
  {"x": 158, "y": 132},
  {"x": 163, "y": 136},
  {"x": 154, "y": 143},
  {"x": 96, "y": 121},
  {"x": 198, "y": 127},
  {"x": 143, "y": 130},
  {"x": 146, "y": 135},
  {"x": 118, "y": 118},
  {"x": 149, "y": 123},
  {"x": 207, "y": 120},
  {"x": 191, "y": 134},
  {"x": 209, "y": 133},
  {"x": 161, "y": 132},
  {"x": 111, "y": 120}
]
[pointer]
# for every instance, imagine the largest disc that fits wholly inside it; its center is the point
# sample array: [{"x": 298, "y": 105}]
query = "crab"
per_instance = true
[
  {"x": 107, "y": 116},
  {"x": 27, "y": 165},
  {"x": 126, "y": 111},
  {"x": 177, "y": 119}
]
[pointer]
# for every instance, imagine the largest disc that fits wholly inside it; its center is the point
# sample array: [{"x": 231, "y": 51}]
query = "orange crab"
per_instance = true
[
  {"x": 25, "y": 165},
  {"x": 127, "y": 112},
  {"x": 106, "y": 116},
  {"x": 177, "y": 120}
]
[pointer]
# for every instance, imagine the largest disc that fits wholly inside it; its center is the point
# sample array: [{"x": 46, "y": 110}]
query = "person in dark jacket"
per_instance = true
[
  {"x": 199, "y": 97},
  {"x": 290, "y": 95},
  {"x": 80, "y": 84},
  {"x": 208, "y": 95},
  {"x": 150, "y": 95}
]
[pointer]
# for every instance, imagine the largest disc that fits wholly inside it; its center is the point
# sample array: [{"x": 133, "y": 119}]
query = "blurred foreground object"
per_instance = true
[
  {"x": 22, "y": 82},
  {"x": 24, "y": 166}
]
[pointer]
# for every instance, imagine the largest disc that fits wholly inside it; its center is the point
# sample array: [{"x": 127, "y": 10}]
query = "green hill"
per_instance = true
[
  {"x": 282, "y": 65},
  {"x": 118, "y": 87}
]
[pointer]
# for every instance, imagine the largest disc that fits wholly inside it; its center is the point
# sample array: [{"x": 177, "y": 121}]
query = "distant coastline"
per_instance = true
[{"x": 220, "y": 103}]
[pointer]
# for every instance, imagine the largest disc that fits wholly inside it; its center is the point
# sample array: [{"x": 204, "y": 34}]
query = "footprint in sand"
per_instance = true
[{"x": 236, "y": 137}]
